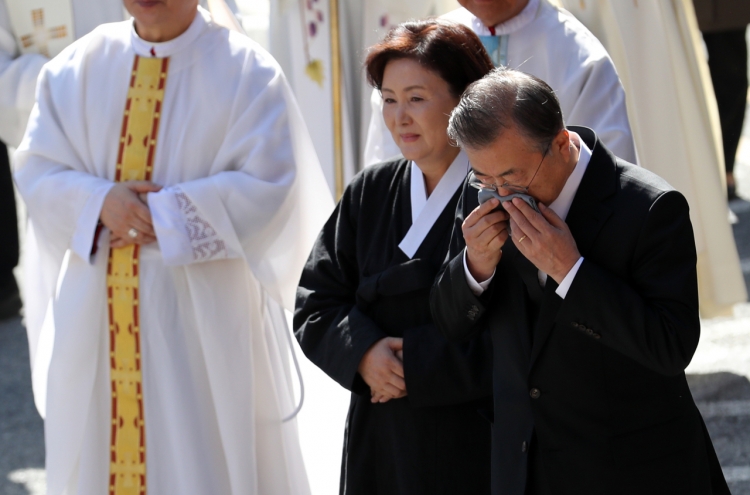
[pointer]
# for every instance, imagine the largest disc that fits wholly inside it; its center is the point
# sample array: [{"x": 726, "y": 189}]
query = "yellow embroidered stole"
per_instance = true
[{"x": 140, "y": 126}]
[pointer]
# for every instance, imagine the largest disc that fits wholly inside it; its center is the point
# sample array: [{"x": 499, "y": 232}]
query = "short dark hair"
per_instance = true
[
  {"x": 447, "y": 48},
  {"x": 502, "y": 99}
]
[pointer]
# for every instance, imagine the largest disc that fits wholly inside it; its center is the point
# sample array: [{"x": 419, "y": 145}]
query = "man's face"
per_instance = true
[
  {"x": 492, "y": 12},
  {"x": 162, "y": 14},
  {"x": 513, "y": 159}
]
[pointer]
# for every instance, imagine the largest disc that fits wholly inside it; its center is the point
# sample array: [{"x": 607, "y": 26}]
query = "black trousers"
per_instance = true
[
  {"x": 8, "y": 221},
  {"x": 727, "y": 61}
]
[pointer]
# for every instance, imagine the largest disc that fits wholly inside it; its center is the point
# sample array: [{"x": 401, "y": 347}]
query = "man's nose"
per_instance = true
[{"x": 503, "y": 190}]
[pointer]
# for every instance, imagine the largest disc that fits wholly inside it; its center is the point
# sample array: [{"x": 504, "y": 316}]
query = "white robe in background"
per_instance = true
[
  {"x": 18, "y": 73},
  {"x": 658, "y": 51},
  {"x": 239, "y": 171},
  {"x": 552, "y": 45}
]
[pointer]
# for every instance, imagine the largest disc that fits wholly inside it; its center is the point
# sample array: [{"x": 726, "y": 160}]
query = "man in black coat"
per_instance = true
[{"x": 592, "y": 308}]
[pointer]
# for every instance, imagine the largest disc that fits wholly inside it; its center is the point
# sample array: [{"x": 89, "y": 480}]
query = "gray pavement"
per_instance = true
[{"x": 21, "y": 428}]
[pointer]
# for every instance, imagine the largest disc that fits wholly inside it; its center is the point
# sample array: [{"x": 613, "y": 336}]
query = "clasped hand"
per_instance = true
[
  {"x": 125, "y": 208},
  {"x": 382, "y": 368},
  {"x": 544, "y": 239}
]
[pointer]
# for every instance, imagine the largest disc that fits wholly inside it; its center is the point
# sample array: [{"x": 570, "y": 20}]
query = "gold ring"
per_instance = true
[{"x": 521, "y": 239}]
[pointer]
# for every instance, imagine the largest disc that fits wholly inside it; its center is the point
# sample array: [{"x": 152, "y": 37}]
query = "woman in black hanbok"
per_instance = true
[{"x": 363, "y": 313}]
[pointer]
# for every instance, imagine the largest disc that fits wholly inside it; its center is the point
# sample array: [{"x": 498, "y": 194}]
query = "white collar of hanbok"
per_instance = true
[
  {"x": 512, "y": 25},
  {"x": 425, "y": 211},
  {"x": 168, "y": 48}
]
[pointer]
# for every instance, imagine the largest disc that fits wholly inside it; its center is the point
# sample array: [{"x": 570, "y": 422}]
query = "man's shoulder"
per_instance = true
[
  {"x": 460, "y": 16},
  {"x": 641, "y": 192},
  {"x": 632, "y": 182},
  {"x": 109, "y": 39},
  {"x": 564, "y": 29},
  {"x": 111, "y": 33},
  {"x": 638, "y": 182},
  {"x": 233, "y": 48}
]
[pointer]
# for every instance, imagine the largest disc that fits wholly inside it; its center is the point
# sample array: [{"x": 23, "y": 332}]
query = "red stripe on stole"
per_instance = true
[
  {"x": 163, "y": 75},
  {"x": 149, "y": 161}
]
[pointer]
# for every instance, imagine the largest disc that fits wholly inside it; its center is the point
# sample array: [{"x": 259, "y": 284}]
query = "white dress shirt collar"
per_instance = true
[
  {"x": 564, "y": 200},
  {"x": 426, "y": 210}
]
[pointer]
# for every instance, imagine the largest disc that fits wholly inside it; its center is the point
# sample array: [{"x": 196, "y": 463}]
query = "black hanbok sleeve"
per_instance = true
[
  {"x": 332, "y": 332},
  {"x": 458, "y": 313}
]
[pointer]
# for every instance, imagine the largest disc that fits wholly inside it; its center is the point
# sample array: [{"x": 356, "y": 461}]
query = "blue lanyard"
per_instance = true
[{"x": 497, "y": 47}]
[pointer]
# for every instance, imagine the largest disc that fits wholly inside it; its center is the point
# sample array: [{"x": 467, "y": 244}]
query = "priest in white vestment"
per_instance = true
[
  {"x": 540, "y": 39},
  {"x": 31, "y": 32},
  {"x": 658, "y": 51},
  {"x": 22, "y": 56},
  {"x": 162, "y": 367}
]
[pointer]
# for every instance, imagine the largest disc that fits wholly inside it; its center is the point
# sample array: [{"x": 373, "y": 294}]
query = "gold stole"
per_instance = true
[{"x": 140, "y": 126}]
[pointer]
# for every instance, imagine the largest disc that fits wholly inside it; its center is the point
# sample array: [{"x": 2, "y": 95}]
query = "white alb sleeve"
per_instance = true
[{"x": 184, "y": 234}]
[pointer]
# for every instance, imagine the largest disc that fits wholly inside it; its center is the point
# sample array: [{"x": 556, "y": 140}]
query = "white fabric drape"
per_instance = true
[
  {"x": 215, "y": 364},
  {"x": 657, "y": 50}
]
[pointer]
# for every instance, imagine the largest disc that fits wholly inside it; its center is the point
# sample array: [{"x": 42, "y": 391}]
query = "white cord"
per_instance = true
[{"x": 299, "y": 377}]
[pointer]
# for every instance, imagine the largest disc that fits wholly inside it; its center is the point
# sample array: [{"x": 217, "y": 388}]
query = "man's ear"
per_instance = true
[{"x": 561, "y": 143}]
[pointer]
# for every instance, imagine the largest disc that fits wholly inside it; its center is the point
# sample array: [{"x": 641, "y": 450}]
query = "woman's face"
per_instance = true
[{"x": 416, "y": 105}]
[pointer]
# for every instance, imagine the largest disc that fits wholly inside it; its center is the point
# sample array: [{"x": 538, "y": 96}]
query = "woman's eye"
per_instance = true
[
  {"x": 389, "y": 100},
  {"x": 416, "y": 98}
]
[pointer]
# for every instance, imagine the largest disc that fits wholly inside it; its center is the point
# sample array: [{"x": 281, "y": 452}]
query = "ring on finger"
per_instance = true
[
  {"x": 132, "y": 233},
  {"x": 522, "y": 238}
]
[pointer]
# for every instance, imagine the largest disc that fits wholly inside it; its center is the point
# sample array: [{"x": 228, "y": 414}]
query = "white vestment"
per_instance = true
[
  {"x": 243, "y": 200},
  {"x": 656, "y": 47},
  {"x": 18, "y": 73},
  {"x": 555, "y": 47}
]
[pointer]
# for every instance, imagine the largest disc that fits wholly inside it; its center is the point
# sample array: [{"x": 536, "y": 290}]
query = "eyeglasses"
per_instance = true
[{"x": 507, "y": 185}]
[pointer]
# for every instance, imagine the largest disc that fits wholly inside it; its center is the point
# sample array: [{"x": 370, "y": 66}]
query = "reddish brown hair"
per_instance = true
[{"x": 449, "y": 49}]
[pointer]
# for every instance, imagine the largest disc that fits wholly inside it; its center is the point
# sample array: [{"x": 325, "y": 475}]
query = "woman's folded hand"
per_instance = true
[{"x": 382, "y": 369}]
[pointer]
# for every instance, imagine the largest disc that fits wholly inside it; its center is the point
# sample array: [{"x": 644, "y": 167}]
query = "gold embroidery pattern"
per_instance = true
[
  {"x": 140, "y": 126},
  {"x": 41, "y": 34}
]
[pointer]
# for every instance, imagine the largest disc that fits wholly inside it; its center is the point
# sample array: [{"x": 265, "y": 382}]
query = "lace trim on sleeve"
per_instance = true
[{"x": 206, "y": 243}]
